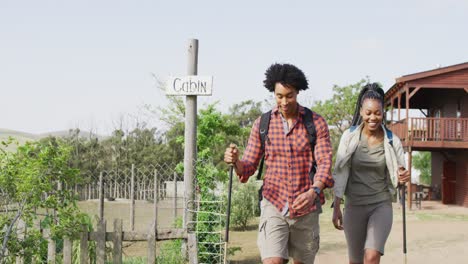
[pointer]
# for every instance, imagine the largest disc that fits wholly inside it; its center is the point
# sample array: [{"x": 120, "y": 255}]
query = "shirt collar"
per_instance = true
[{"x": 275, "y": 110}]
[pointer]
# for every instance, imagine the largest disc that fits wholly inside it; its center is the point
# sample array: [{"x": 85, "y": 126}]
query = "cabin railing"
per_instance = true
[{"x": 431, "y": 129}]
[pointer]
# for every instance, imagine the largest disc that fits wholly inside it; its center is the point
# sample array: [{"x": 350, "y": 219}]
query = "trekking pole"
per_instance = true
[
  {"x": 403, "y": 208},
  {"x": 228, "y": 213}
]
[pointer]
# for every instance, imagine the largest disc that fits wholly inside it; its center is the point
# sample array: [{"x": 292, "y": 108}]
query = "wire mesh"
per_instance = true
[
  {"x": 209, "y": 227},
  {"x": 207, "y": 218}
]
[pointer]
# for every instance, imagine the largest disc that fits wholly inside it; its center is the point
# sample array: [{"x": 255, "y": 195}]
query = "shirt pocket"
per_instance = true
[{"x": 301, "y": 144}]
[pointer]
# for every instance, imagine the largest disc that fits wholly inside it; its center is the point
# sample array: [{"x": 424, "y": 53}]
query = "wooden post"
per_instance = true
[
  {"x": 410, "y": 195},
  {"x": 175, "y": 196},
  {"x": 50, "y": 246},
  {"x": 101, "y": 242},
  {"x": 190, "y": 154},
  {"x": 407, "y": 132},
  {"x": 192, "y": 248},
  {"x": 399, "y": 105},
  {"x": 116, "y": 187},
  {"x": 84, "y": 257},
  {"x": 125, "y": 185},
  {"x": 101, "y": 197},
  {"x": 132, "y": 199},
  {"x": 144, "y": 188},
  {"x": 152, "y": 245},
  {"x": 67, "y": 251},
  {"x": 391, "y": 107},
  {"x": 117, "y": 241},
  {"x": 156, "y": 199}
]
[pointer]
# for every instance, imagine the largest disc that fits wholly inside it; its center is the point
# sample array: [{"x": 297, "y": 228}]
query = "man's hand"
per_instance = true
[
  {"x": 304, "y": 201},
  {"x": 403, "y": 175},
  {"x": 231, "y": 155}
]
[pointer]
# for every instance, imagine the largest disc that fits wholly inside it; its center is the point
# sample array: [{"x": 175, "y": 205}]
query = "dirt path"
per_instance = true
[{"x": 435, "y": 234}]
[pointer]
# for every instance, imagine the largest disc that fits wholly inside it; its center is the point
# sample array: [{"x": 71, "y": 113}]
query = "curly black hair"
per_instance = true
[
  {"x": 369, "y": 91},
  {"x": 286, "y": 74}
]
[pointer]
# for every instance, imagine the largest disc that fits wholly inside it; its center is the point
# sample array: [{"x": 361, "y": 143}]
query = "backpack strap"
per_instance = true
[
  {"x": 264, "y": 126},
  {"x": 308, "y": 120},
  {"x": 389, "y": 135}
]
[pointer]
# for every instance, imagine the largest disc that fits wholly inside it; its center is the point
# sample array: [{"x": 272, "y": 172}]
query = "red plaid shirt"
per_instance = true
[{"x": 288, "y": 159}]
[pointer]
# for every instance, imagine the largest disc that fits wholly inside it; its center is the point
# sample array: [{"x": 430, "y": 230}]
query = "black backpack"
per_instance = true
[{"x": 312, "y": 135}]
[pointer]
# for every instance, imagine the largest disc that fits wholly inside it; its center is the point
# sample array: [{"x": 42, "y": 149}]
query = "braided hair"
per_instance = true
[{"x": 369, "y": 91}]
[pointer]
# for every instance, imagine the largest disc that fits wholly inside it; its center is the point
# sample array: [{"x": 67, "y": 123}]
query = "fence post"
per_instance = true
[
  {"x": 151, "y": 245},
  {"x": 156, "y": 199},
  {"x": 101, "y": 197},
  {"x": 67, "y": 251},
  {"x": 50, "y": 247},
  {"x": 175, "y": 196},
  {"x": 144, "y": 188},
  {"x": 192, "y": 248},
  {"x": 124, "y": 185},
  {"x": 116, "y": 187},
  {"x": 101, "y": 242},
  {"x": 132, "y": 199},
  {"x": 117, "y": 252},
  {"x": 84, "y": 258}
]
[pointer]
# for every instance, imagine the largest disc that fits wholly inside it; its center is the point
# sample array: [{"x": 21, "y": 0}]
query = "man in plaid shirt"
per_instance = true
[{"x": 289, "y": 214}]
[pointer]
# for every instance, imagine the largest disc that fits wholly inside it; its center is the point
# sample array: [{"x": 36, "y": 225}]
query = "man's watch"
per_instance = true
[{"x": 316, "y": 190}]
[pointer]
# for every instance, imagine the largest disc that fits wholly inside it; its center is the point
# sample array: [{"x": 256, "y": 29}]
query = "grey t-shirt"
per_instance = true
[{"x": 368, "y": 181}]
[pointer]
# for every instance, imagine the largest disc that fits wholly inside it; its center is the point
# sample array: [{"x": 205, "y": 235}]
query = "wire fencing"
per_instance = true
[
  {"x": 129, "y": 194},
  {"x": 134, "y": 189}
]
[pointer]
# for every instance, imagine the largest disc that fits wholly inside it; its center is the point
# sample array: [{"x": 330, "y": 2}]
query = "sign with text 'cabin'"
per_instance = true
[{"x": 189, "y": 85}]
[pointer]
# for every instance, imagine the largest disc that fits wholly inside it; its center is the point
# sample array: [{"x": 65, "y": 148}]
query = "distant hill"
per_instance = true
[
  {"x": 64, "y": 133},
  {"x": 16, "y": 134},
  {"x": 22, "y": 137}
]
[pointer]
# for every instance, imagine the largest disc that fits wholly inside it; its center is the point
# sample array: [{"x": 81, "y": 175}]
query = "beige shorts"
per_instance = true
[{"x": 281, "y": 236}]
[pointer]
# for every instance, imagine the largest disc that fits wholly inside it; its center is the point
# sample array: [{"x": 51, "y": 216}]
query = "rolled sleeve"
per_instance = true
[
  {"x": 252, "y": 154},
  {"x": 323, "y": 153}
]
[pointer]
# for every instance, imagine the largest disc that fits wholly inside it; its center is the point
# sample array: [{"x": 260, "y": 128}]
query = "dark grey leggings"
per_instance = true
[{"x": 367, "y": 226}]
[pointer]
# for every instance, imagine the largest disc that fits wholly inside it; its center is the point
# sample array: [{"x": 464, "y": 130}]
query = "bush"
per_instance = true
[{"x": 244, "y": 203}]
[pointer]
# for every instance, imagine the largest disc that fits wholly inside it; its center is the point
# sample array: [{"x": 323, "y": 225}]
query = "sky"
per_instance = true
[{"x": 88, "y": 64}]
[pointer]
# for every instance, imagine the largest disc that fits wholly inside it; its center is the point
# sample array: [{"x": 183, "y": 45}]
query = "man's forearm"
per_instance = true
[{"x": 239, "y": 168}]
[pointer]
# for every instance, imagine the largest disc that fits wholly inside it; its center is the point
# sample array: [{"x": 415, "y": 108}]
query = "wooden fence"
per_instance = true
[{"x": 117, "y": 237}]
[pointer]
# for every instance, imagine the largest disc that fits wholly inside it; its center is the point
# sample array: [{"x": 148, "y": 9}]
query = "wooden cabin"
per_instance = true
[{"x": 429, "y": 112}]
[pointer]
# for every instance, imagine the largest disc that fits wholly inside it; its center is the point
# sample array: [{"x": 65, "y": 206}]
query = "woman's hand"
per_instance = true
[{"x": 337, "y": 218}]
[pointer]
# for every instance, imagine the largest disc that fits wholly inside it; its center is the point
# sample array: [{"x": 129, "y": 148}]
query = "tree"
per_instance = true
[
  {"x": 339, "y": 110},
  {"x": 244, "y": 115},
  {"x": 33, "y": 180},
  {"x": 422, "y": 162}
]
